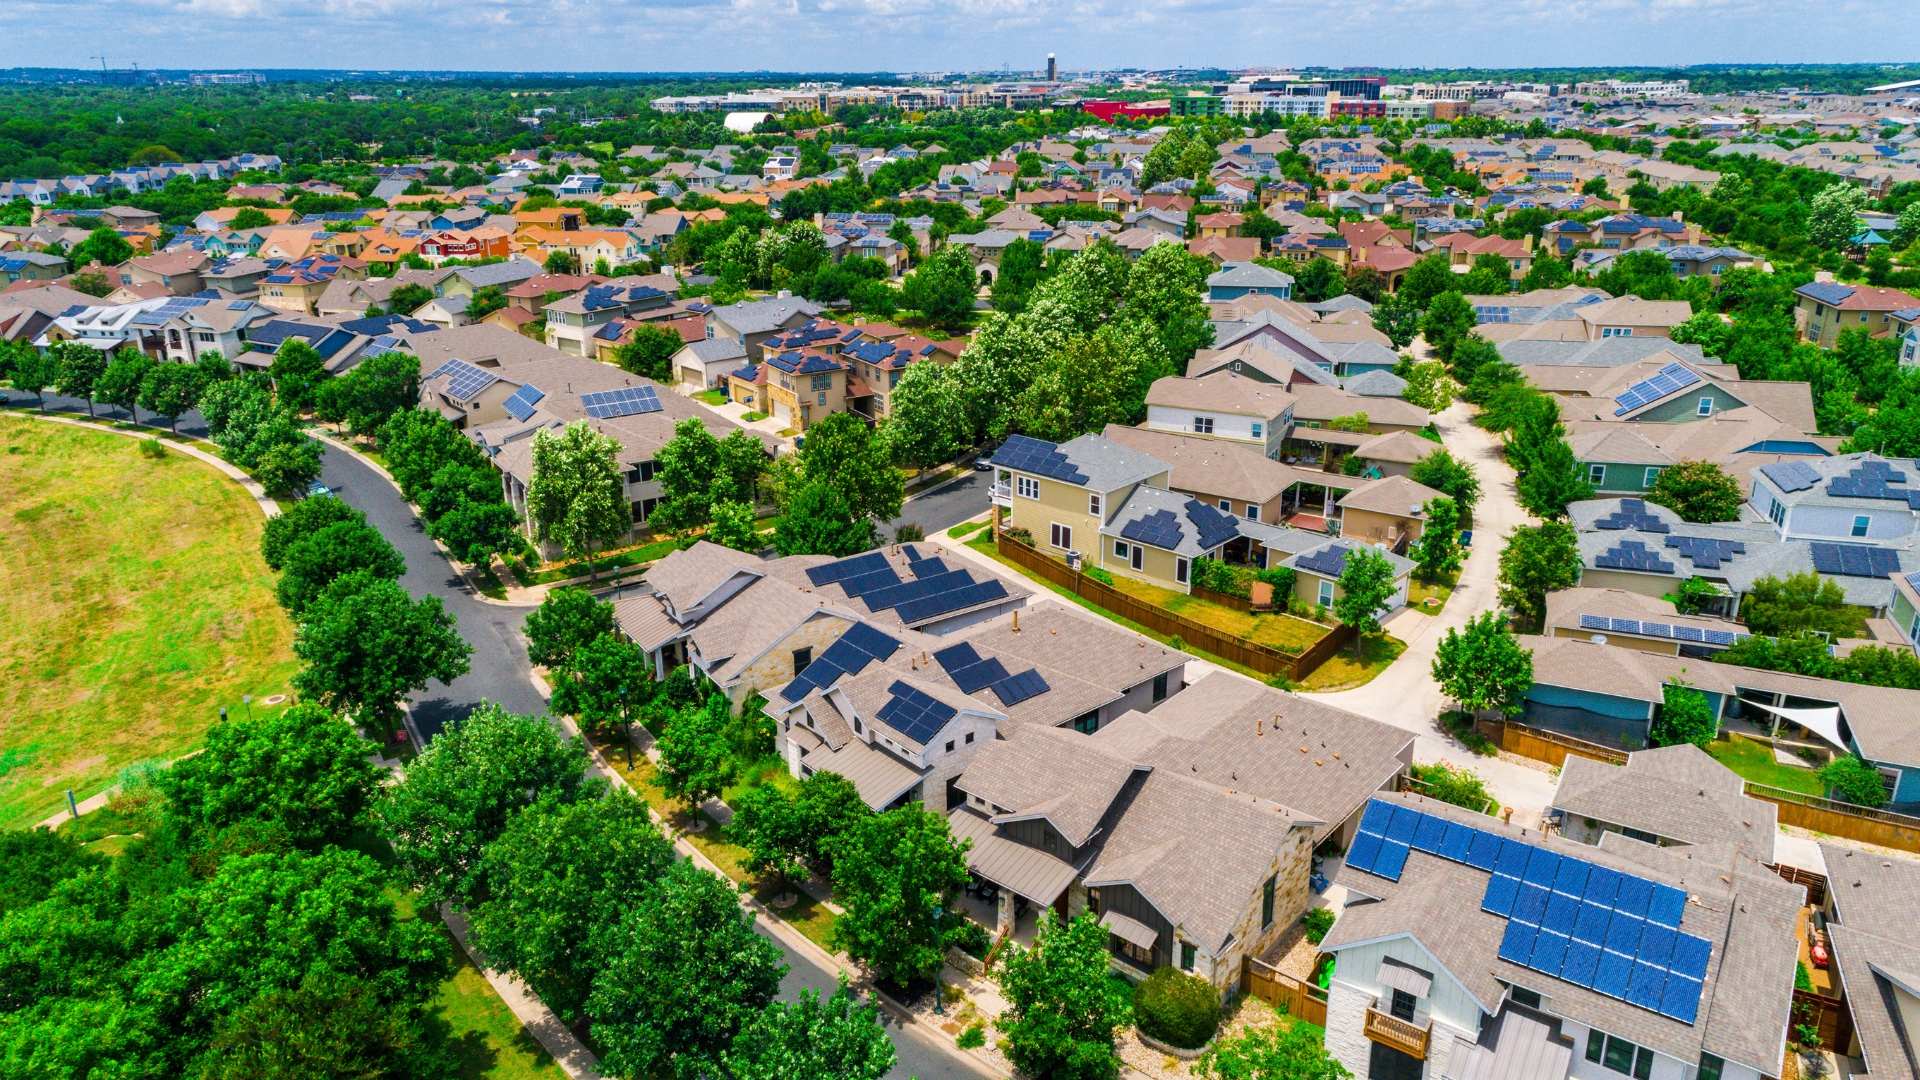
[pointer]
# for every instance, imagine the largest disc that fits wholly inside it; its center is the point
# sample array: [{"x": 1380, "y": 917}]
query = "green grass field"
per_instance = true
[
  {"x": 491, "y": 1042},
  {"x": 1753, "y": 760},
  {"x": 133, "y": 605}
]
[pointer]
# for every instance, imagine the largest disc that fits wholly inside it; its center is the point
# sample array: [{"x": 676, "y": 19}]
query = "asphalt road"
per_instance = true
[{"x": 945, "y": 506}]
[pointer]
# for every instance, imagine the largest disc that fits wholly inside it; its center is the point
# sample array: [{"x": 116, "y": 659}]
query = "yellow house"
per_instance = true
[{"x": 1317, "y": 570}]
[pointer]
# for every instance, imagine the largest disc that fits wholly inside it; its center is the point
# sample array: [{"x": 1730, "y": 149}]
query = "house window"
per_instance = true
[
  {"x": 823, "y": 399},
  {"x": 1710, "y": 1067},
  {"x": 1523, "y": 996},
  {"x": 1093, "y": 504},
  {"x": 1203, "y": 425},
  {"x": 1180, "y": 571},
  {"x": 1135, "y": 953},
  {"x": 1139, "y": 557},
  {"x": 801, "y": 658},
  {"x": 1087, "y": 723},
  {"x": 1705, "y": 408},
  {"x": 1226, "y": 506},
  {"x": 1187, "y": 952},
  {"x": 1619, "y": 1055},
  {"x": 1326, "y": 594},
  {"x": 1027, "y": 487},
  {"x": 1093, "y": 901},
  {"x": 1653, "y": 474},
  {"x": 1266, "y": 903},
  {"x": 1160, "y": 687},
  {"x": 1048, "y": 840},
  {"x": 949, "y": 746},
  {"x": 1777, "y": 513},
  {"x": 1860, "y": 523},
  {"x": 1061, "y": 536},
  {"x": 1596, "y": 474},
  {"x": 1402, "y": 1007},
  {"x": 1258, "y": 428},
  {"x": 1616, "y": 331},
  {"x": 1119, "y": 549},
  {"x": 968, "y": 740}
]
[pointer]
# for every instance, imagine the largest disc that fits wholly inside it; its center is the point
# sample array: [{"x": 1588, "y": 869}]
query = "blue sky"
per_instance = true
[{"x": 906, "y": 35}]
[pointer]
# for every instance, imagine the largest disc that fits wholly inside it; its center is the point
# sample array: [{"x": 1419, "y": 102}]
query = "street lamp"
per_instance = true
[{"x": 939, "y": 984}]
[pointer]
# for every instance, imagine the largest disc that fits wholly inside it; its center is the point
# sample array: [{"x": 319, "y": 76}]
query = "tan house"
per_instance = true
[
  {"x": 1390, "y": 511},
  {"x": 804, "y": 385},
  {"x": 1616, "y": 617},
  {"x": 1824, "y": 308},
  {"x": 1395, "y": 453},
  {"x": 1317, "y": 570}
]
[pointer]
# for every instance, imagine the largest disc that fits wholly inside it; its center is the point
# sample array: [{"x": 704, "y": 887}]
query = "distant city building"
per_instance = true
[{"x": 227, "y": 78}]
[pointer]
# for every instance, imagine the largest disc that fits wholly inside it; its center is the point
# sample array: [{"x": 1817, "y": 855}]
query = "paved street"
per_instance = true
[{"x": 945, "y": 506}]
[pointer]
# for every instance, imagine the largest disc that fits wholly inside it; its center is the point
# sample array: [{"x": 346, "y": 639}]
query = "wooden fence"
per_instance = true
[
  {"x": 1815, "y": 884},
  {"x": 1226, "y": 600},
  {"x": 1836, "y": 818},
  {"x": 1283, "y": 991},
  {"x": 1829, "y": 1015},
  {"x": 1252, "y": 654},
  {"x": 1548, "y": 746}
]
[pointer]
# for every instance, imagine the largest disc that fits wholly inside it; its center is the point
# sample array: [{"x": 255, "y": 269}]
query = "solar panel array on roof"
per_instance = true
[
  {"x": 520, "y": 406},
  {"x": 968, "y": 669},
  {"x": 1041, "y": 458},
  {"x": 940, "y": 603},
  {"x": 1331, "y": 562},
  {"x": 171, "y": 309},
  {"x": 465, "y": 381},
  {"x": 1854, "y": 560},
  {"x": 1632, "y": 514},
  {"x": 828, "y": 573},
  {"x": 848, "y": 655},
  {"x": 1870, "y": 480},
  {"x": 913, "y": 713},
  {"x": 1633, "y": 555},
  {"x": 928, "y": 568},
  {"x": 1576, "y": 921},
  {"x": 1659, "y": 630},
  {"x": 1705, "y": 552},
  {"x": 1215, "y": 527},
  {"x": 1017, "y": 688},
  {"x": 1160, "y": 528},
  {"x": 626, "y": 401},
  {"x": 1791, "y": 475},
  {"x": 1670, "y": 378}
]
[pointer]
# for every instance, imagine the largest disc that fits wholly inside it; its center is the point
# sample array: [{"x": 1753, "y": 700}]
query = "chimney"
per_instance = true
[{"x": 1528, "y": 243}]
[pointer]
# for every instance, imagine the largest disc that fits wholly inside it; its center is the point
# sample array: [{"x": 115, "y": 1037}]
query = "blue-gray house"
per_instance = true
[{"x": 1235, "y": 280}]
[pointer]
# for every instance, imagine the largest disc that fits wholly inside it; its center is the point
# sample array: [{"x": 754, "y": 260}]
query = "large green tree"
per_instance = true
[
  {"x": 696, "y": 763},
  {"x": 371, "y": 393},
  {"x": 302, "y": 768},
  {"x": 577, "y": 497},
  {"x": 1537, "y": 560},
  {"x": 1699, "y": 491},
  {"x": 171, "y": 390},
  {"x": 942, "y": 287},
  {"x": 297, "y": 370},
  {"x": 81, "y": 366},
  {"x": 1685, "y": 717},
  {"x": 650, "y": 352},
  {"x": 818, "y": 521},
  {"x": 1062, "y": 1012},
  {"x": 1449, "y": 321},
  {"x": 1482, "y": 666},
  {"x": 1777, "y": 606},
  {"x": 367, "y": 645},
  {"x": 318, "y": 559},
  {"x": 1445, "y": 473},
  {"x": 838, "y": 1039},
  {"x": 602, "y": 682},
  {"x": 684, "y": 975},
  {"x": 1098, "y": 379},
  {"x": 119, "y": 385},
  {"x": 1165, "y": 288},
  {"x": 927, "y": 423},
  {"x": 1366, "y": 587},
  {"x": 1438, "y": 549},
  {"x": 895, "y": 874},
  {"x": 300, "y": 520},
  {"x": 465, "y": 788},
  {"x": 565, "y": 620},
  {"x": 844, "y": 453}
]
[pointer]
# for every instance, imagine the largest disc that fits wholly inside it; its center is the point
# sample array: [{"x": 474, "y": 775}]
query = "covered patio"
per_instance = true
[{"x": 1012, "y": 881}]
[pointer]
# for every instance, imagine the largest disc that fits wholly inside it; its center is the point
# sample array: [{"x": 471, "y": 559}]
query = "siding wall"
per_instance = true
[
  {"x": 1371, "y": 525},
  {"x": 1227, "y": 427},
  {"x": 1836, "y": 522},
  {"x": 1617, "y": 476},
  {"x": 1685, "y": 405},
  {"x": 1624, "y": 641},
  {"x": 1604, "y": 704},
  {"x": 1645, "y": 584},
  {"x": 1306, "y": 586}
]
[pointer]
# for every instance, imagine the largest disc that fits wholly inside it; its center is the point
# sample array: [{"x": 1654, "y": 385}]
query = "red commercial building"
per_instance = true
[
  {"x": 1357, "y": 107},
  {"x": 1107, "y": 110}
]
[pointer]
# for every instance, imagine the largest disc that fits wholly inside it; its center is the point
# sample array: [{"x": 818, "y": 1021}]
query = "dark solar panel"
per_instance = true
[
  {"x": 906, "y": 592},
  {"x": 521, "y": 405},
  {"x": 1500, "y": 894},
  {"x": 1632, "y": 514},
  {"x": 928, "y": 568},
  {"x": 1681, "y": 998},
  {"x": 1690, "y": 954},
  {"x": 1623, "y": 933},
  {"x": 914, "y": 713},
  {"x": 626, "y": 401},
  {"x": 1017, "y": 688},
  {"x": 1486, "y": 850},
  {"x": 1542, "y": 865},
  {"x": 1791, "y": 475},
  {"x": 873, "y": 581},
  {"x": 1160, "y": 529},
  {"x": 828, "y": 573},
  {"x": 984, "y": 592},
  {"x": 1025, "y": 454},
  {"x": 1215, "y": 528},
  {"x": 1530, "y": 904},
  {"x": 1562, "y": 911}
]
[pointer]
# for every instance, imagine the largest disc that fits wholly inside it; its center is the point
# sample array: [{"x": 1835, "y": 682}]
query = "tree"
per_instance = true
[
  {"x": 1428, "y": 278},
  {"x": 1447, "y": 322},
  {"x": 1473, "y": 354},
  {"x": 314, "y": 561},
  {"x": 1397, "y": 317},
  {"x": 1833, "y": 214},
  {"x": 578, "y": 494},
  {"x": 1022, "y": 263},
  {"x": 696, "y": 763},
  {"x": 650, "y": 352},
  {"x": 1290, "y": 1050},
  {"x": 288, "y": 464},
  {"x": 1062, "y": 1012},
  {"x": 769, "y": 826},
  {"x": 1165, "y": 288},
  {"x": 1429, "y": 386},
  {"x": 838, "y": 1040},
  {"x": 297, "y": 372},
  {"x": 170, "y": 390},
  {"x": 326, "y": 1026},
  {"x": 1438, "y": 549},
  {"x": 684, "y": 976},
  {"x": 467, "y": 786},
  {"x": 485, "y": 300},
  {"x": 299, "y": 521},
  {"x": 1549, "y": 475},
  {"x": 842, "y": 452},
  {"x": 942, "y": 287},
  {"x": 409, "y": 297},
  {"x": 1094, "y": 380},
  {"x": 372, "y": 393},
  {"x": 250, "y": 217},
  {"x": 566, "y": 620},
  {"x": 1482, "y": 666},
  {"x": 818, "y": 521},
  {"x": 1320, "y": 279},
  {"x": 1445, "y": 473},
  {"x": 1684, "y": 717},
  {"x": 119, "y": 384},
  {"x": 81, "y": 367},
  {"x": 301, "y": 768},
  {"x": 367, "y": 645},
  {"x": 1537, "y": 560},
  {"x": 474, "y": 530},
  {"x": 1852, "y": 779},
  {"x": 103, "y": 245},
  {"x": 1805, "y": 601},
  {"x": 732, "y": 527},
  {"x": 602, "y": 680},
  {"x": 1366, "y": 587},
  {"x": 1699, "y": 491},
  {"x": 559, "y": 879},
  {"x": 895, "y": 874},
  {"x": 927, "y": 423},
  {"x": 561, "y": 262},
  {"x": 34, "y": 371}
]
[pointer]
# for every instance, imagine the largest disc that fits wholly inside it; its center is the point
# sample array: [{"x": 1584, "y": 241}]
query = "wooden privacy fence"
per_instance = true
[
  {"x": 1252, "y": 654},
  {"x": 1548, "y": 746},
  {"x": 1836, "y": 818},
  {"x": 1815, "y": 884},
  {"x": 1829, "y": 1015},
  {"x": 1283, "y": 991}
]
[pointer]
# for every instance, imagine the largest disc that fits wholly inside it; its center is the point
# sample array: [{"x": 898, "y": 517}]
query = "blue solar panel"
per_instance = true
[
  {"x": 869, "y": 640},
  {"x": 1690, "y": 954},
  {"x": 465, "y": 382},
  {"x": 1542, "y": 865},
  {"x": 926, "y": 568},
  {"x": 968, "y": 670},
  {"x": 1581, "y": 960},
  {"x": 1634, "y": 896},
  {"x": 1681, "y": 998},
  {"x": 1667, "y": 906},
  {"x": 1591, "y": 923},
  {"x": 1656, "y": 946},
  {"x": 872, "y": 582},
  {"x": 1516, "y": 945},
  {"x": 1429, "y": 833},
  {"x": 829, "y": 573},
  {"x": 1645, "y": 985},
  {"x": 1572, "y": 878},
  {"x": 1602, "y": 886},
  {"x": 1513, "y": 858},
  {"x": 1458, "y": 842},
  {"x": 1549, "y": 952},
  {"x": 1366, "y": 849},
  {"x": 1012, "y": 691},
  {"x": 903, "y": 592},
  {"x": 1406, "y": 820},
  {"x": 520, "y": 406},
  {"x": 1025, "y": 454},
  {"x": 1500, "y": 894},
  {"x": 913, "y": 713},
  {"x": 626, "y": 401},
  {"x": 984, "y": 592},
  {"x": 1531, "y": 904},
  {"x": 1623, "y": 934},
  {"x": 1375, "y": 819},
  {"x": 1610, "y": 977},
  {"x": 1562, "y": 911},
  {"x": 1393, "y": 857},
  {"x": 1486, "y": 850}
]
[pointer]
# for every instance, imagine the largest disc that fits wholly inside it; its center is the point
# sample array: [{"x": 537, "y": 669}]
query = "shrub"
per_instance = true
[
  {"x": 970, "y": 938},
  {"x": 1099, "y": 575},
  {"x": 1318, "y": 921},
  {"x": 1459, "y": 786},
  {"x": 1461, "y": 728},
  {"x": 910, "y": 533},
  {"x": 152, "y": 448},
  {"x": 1176, "y": 1008},
  {"x": 1018, "y": 535},
  {"x": 975, "y": 1036},
  {"x": 1854, "y": 781}
]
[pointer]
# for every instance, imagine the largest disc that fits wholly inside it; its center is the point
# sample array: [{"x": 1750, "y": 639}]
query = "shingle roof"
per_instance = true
[
  {"x": 1223, "y": 391},
  {"x": 1675, "y": 792}
]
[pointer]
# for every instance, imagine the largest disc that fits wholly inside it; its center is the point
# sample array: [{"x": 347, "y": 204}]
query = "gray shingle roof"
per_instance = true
[
  {"x": 761, "y": 316},
  {"x": 1108, "y": 466},
  {"x": 1677, "y": 792}
]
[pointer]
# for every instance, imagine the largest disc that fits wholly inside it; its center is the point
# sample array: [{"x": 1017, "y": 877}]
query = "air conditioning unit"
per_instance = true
[{"x": 1073, "y": 560}]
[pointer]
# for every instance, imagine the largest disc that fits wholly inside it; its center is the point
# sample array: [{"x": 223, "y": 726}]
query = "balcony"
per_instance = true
[
  {"x": 1408, "y": 1038},
  {"x": 1001, "y": 494}
]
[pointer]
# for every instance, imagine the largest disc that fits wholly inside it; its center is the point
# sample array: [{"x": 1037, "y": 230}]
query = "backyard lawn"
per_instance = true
[
  {"x": 1283, "y": 632},
  {"x": 1753, "y": 760},
  {"x": 1343, "y": 672},
  {"x": 133, "y": 606}
]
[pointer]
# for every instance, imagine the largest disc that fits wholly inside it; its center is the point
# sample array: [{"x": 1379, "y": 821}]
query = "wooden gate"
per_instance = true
[{"x": 1284, "y": 992}]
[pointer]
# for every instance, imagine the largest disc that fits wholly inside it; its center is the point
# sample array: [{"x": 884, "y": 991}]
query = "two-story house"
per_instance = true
[
  {"x": 1824, "y": 308},
  {"x": 752, "y": 322},
  {"x": 574, "y": 321},
  {"x": 1855, "y": 499},
  {"x": 805, "y": 385},
  {"x": 1235, "y": 280}
]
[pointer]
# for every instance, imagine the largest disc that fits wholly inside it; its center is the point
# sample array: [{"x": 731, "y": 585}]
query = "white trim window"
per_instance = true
[
  {"x": 1093, "y": 503},
  {"x": 1596, "y": 475},
  {"x": 1226, "y": 506},
  {"x": 1653, "y": 475},
  {"x": 1026, "y": 487},
  {"x": 1203, "y": 425},
  {"x": 1060, "y": 536},
  {"x": 1861, "y": 523},
  {"x": 1326, "y": 594},
  {"x": 1777, "y": 513},
  {"x": 1259, "y": 430},
  {"x": 1705, "y": 407},
  {"x": 1120, "y": 549}
]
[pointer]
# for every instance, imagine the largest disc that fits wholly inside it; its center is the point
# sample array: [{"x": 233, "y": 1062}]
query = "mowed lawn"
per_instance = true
[{"x": 133, "y": 605}]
